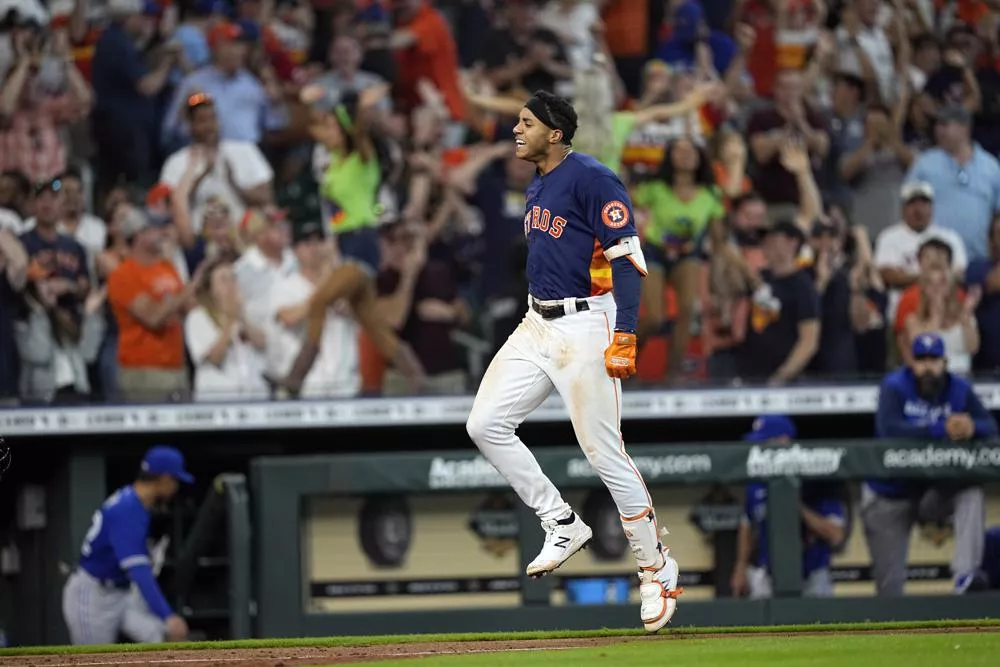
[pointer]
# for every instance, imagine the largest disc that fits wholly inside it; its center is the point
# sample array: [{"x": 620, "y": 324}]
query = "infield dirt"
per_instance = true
[{"x": 290, "y": 657}]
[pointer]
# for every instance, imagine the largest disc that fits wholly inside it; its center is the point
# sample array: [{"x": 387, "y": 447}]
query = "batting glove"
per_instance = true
[{"x": 619, "y": 358}]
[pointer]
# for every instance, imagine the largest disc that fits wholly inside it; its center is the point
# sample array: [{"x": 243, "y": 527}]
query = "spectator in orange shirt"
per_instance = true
[
  {"x": 149, "y": 302},
  {"x": 425, "y": 49},
  {"x": 934, "y": 252}
]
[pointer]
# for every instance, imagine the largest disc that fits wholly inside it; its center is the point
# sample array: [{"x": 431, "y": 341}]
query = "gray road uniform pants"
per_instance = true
[
  {"x": 817, "y": 584},
  {"x": 98, "y": 613},
  {"x": 888, "y": 523}
]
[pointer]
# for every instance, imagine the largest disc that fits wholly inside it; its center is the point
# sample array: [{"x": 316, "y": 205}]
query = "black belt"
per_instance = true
[
  {"x": 555, "y": 311},
  {"x": 108, "y": 583}
]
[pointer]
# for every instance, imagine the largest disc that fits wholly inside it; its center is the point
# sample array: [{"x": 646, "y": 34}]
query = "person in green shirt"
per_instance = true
[
  {"x": 684, "y": 209},
  {"x": 602, "y": 131},
  {"x": 349, "y": 187}
]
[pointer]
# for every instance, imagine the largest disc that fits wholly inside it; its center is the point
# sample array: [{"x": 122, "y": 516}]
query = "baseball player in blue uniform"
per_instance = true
[
  {"x": 97, "y": 604},
  {"x": 585, "y": 268},
  {"x": 925, "y": 401},
  {"x": 824, "y": 520}
]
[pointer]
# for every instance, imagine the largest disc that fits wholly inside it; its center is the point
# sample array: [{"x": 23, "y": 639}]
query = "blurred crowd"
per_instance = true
[{"x": 815, "y": 183}]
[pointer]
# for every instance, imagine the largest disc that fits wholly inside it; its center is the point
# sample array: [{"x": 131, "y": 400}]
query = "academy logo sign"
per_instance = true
[
  {"x": 474, "y": 473},
  {"x": 933, "y": 456},
  {"x": 793, "y": 461},
  {"x": 651, "y": 467}
]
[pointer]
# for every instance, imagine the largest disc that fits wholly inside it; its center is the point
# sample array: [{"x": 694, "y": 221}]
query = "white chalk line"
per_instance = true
[{"x": 209, "y": 659}]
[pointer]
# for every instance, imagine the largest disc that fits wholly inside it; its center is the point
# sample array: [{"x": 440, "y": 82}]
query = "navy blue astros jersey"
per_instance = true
[{"x": 572, "y": 214}]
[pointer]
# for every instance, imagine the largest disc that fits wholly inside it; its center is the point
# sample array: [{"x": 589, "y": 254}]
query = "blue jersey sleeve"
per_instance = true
[
  {"x": 985, "y": 423},
  {"x": 831, "y": 508},
  {"x": 626, "y": 283},
  {"x": 609, "y": 209},
  {"x": 127, "y": 535},
  {"x": 142, "y": 577}
]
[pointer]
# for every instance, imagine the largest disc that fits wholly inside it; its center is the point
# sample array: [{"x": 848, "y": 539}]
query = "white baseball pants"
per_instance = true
[
  {"x": 565, "y": 354},
  {"x": 96, "y": 614}
]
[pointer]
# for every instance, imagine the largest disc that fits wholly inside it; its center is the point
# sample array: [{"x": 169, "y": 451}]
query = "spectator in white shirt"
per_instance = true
[
  {"x": 897, "y": 247},
  {"x": 225, "y": 346},
  {"x": 573, "y": 21},
  {"x": 860, "y": 28},
  {"x": 235, "y": 171},
  {"x": 336, "y": 371},
  {"x": 266, "y": 261}
]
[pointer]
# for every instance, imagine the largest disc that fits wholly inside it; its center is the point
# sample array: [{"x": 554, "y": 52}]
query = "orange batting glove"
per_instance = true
[{"x": 619, "y": 358}]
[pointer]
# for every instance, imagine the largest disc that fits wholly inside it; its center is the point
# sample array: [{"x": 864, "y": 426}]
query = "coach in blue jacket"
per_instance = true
[{"x": 925, "y": 401}]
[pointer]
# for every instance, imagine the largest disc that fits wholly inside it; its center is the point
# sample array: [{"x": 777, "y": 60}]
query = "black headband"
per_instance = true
[{"x": 542, "y": 113}]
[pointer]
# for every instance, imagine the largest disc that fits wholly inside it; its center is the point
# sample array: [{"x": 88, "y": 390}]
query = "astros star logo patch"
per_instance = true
[{"x": 615, "y": 214}]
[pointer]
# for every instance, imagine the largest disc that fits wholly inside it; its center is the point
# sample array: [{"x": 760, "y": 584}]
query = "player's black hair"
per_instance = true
[
  {"x": 556, "y": 112},
  {"x": 702, "y": 174}
]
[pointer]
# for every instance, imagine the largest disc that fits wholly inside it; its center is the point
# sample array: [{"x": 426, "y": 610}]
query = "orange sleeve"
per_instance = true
[
  {"x": 907, "y": 304},
  {"x": 431, "y": 33},
  {"x": 123, "y": 286}
]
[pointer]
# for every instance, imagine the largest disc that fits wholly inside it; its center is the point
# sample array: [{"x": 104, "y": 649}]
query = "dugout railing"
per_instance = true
[{"x": 280, "y": 486}]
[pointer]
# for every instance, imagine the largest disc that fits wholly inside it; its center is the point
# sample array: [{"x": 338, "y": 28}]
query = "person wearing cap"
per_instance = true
[
  {"x": 59, "y": 257},
  {"x": 125, "y": 90},
  {"x": 897, "y": 247},
  {"x": 245, "y": 109},
  {"x": 149, "y": 300},
  {"x": 335, "y": 372},
  {"x": 824, "y": 512},
  {"x": 925, "y": 401},
  {"x": 783, "y": 322},
  {"x": 97, "y": 601},
  {"x": 236, "y": 171},
  {"x": 964, "y": 177}
]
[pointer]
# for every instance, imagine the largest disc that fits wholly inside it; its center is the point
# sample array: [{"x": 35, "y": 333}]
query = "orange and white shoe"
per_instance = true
[{"x": 658, "y": 593}]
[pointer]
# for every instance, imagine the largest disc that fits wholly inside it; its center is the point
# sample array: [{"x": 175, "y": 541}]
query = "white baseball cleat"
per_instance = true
[
  {"x": 658, "y": 593},
  {"x": 561, "y": 542}
]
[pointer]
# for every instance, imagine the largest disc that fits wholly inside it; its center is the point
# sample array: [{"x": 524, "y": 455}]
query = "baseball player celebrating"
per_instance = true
[
  {"x": 584, "y": 271},
  {"x": 97, "y": 604}
]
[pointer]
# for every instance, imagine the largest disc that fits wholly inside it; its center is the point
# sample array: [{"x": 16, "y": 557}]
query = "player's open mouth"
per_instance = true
[{"x": 520, "y": 143}]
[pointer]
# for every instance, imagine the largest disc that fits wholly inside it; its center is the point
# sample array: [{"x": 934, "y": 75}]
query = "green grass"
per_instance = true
[
  {"x": 496, "y": 636},
  {"x": 915, "y": 650}
]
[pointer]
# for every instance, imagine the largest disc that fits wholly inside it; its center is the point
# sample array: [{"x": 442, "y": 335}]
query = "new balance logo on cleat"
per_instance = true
[{"x": 562, "y": 540}]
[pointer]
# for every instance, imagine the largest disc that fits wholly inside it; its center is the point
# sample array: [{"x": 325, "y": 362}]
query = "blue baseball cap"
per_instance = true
[
  {"x": 769, "y": 427},
  {"x": 928, "y": 345},
  {"x": 162, "y": 460}
]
